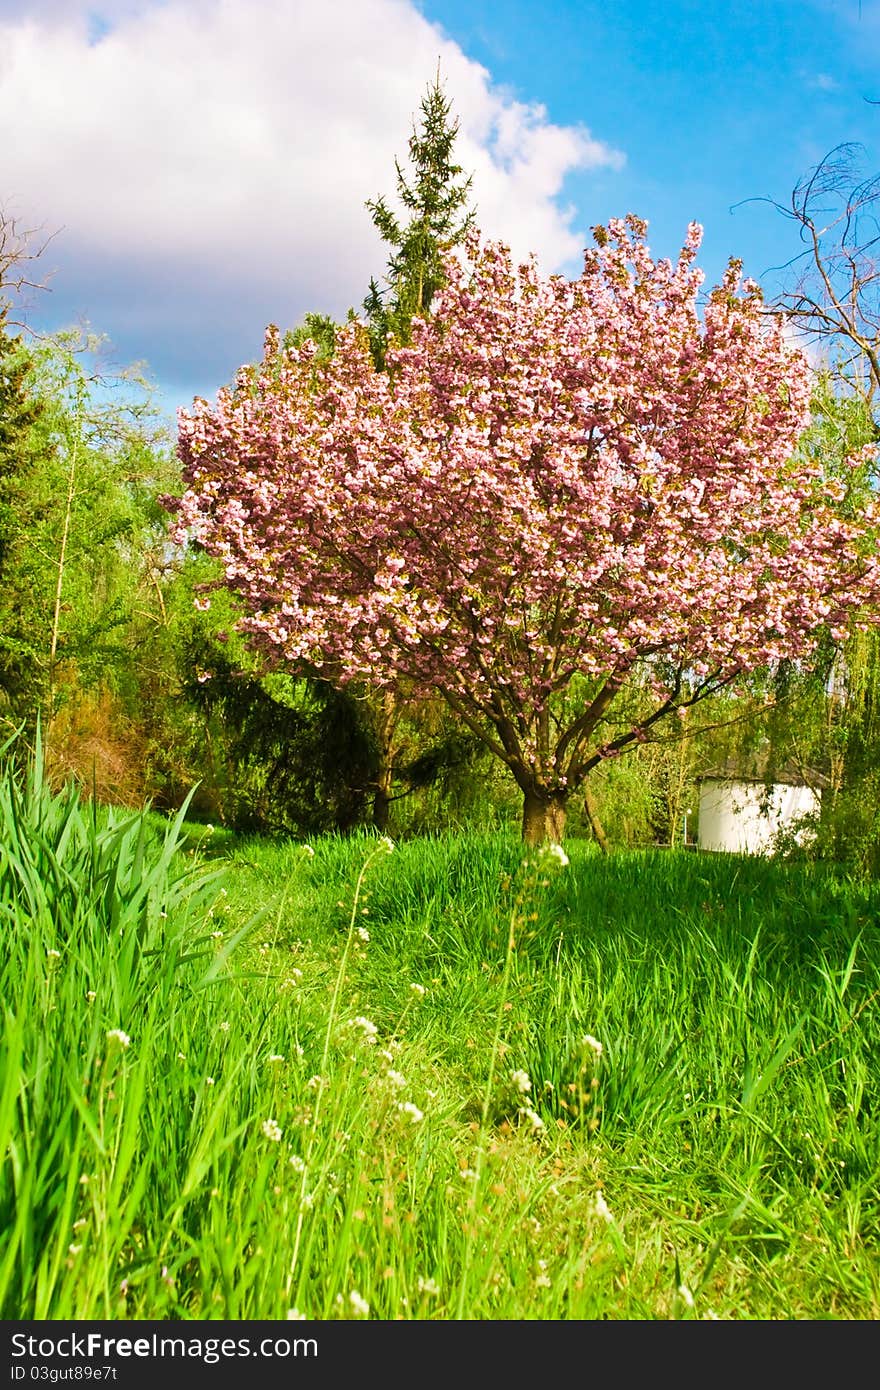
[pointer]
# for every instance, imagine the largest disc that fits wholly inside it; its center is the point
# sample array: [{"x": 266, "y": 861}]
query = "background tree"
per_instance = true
[
  {"x": 81, "y": 595},
  {"x": 435, "y": 197},
  {"x": 564, "y": 501},
  {"x": 833, "y": 298},
  {"x": 319, "y": 329},
  {"x": 20, "y": 409}
]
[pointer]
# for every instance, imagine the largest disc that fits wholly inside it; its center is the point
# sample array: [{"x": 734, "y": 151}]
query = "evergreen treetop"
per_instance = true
[{"x": 435, "y": 197}]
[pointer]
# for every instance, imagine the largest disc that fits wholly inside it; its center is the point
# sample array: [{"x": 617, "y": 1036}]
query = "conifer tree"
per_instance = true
[
  {"x": 19, "y": 412},
  {"x": 435, "y": 197}
]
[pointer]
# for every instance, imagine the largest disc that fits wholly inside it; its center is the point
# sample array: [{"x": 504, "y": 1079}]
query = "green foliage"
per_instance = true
[
  {"x": 828, "y": 718},
  {"x": 319, "y": 329},
  {"x": 20, "y": 410},
  {"x": 434, "y": 198},
  {"x": 83, "y": 551},
  {"x": 300, "y": 754}
]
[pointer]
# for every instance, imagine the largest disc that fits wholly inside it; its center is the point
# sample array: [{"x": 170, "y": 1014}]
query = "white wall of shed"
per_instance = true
[{"x": 744, "y": 817}]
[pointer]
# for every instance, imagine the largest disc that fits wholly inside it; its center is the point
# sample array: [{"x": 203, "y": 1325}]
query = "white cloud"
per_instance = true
[{"x": 225, "y": 148}]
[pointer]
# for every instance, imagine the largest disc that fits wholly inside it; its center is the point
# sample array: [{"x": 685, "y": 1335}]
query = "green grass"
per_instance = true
[{"x": 292, "y": 1123}]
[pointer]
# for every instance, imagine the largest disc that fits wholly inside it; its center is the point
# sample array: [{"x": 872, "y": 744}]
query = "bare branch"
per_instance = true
[
  {"x": 834, "y": 297},
  {"x": 20, "y": 248}
]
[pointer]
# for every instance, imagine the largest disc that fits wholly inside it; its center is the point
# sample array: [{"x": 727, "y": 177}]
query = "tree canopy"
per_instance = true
[{"x": 563, "y": 490}]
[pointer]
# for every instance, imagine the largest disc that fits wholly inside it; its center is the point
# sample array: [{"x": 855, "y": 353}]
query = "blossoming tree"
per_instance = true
[{"x": 559, "y": 492}]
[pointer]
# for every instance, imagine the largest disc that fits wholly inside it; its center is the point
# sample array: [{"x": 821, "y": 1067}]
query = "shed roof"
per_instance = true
[{"x": 759, "y": 768}]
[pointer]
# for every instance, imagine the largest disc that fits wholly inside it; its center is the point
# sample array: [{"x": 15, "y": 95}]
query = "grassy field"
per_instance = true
[{"x": 440, "y": 1080}]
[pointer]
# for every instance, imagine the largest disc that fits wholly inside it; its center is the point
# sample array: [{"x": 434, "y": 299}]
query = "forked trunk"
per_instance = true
[{"x": 543, "y": 819}]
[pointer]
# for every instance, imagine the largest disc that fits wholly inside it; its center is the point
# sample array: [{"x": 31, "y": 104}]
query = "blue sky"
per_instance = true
[
  {"x": 205, "y": 163},
  {"x": 711, "y": 103}
]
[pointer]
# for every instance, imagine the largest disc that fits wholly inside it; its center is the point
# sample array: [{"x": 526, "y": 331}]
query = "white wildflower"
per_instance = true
[
  {"x": 297, "y": 1163},
  {"x": 368, "y": 1029},
  {"x": 117, "y": 1035},
  {"x": 271, "y": 1129},
  {"x": 387, "y": 844},
  {"x": 685, "y": 1295},
  {"x": 532, "y": 1117},
  {"x": 395, "y": 1078},
  {"x": 275, "y": 1057},
  {"x": 294, "y": 1315},
  {"x": 592, "y": 1043},
  {"x": 412, "y": 1112},
  {"x": 308, "y": 851},
  {"x": 558, "y": 854},
  {"x": 363, "y": 934},
  {"x": 428, "y": 1286},
  {"x": 359, "y": 1306},
  {"x": 601, "y": 1208},
  {"x": 418, "y": 990},
  {"x": 521, "y": 1081},
  {"x": 224, "y": 1026},
  {"x": 53, "y": 954}
]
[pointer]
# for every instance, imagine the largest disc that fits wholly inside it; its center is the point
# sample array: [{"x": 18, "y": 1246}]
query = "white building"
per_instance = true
[{"x": 744, "y": 814}]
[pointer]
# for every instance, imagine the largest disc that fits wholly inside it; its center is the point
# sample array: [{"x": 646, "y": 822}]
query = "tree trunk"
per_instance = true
[
  {"x": 382, "y": 801},
  {"x": 543, "y": 819},
  {"x": 595, "y": 824},
  {"x": 390, "y": 707}
]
